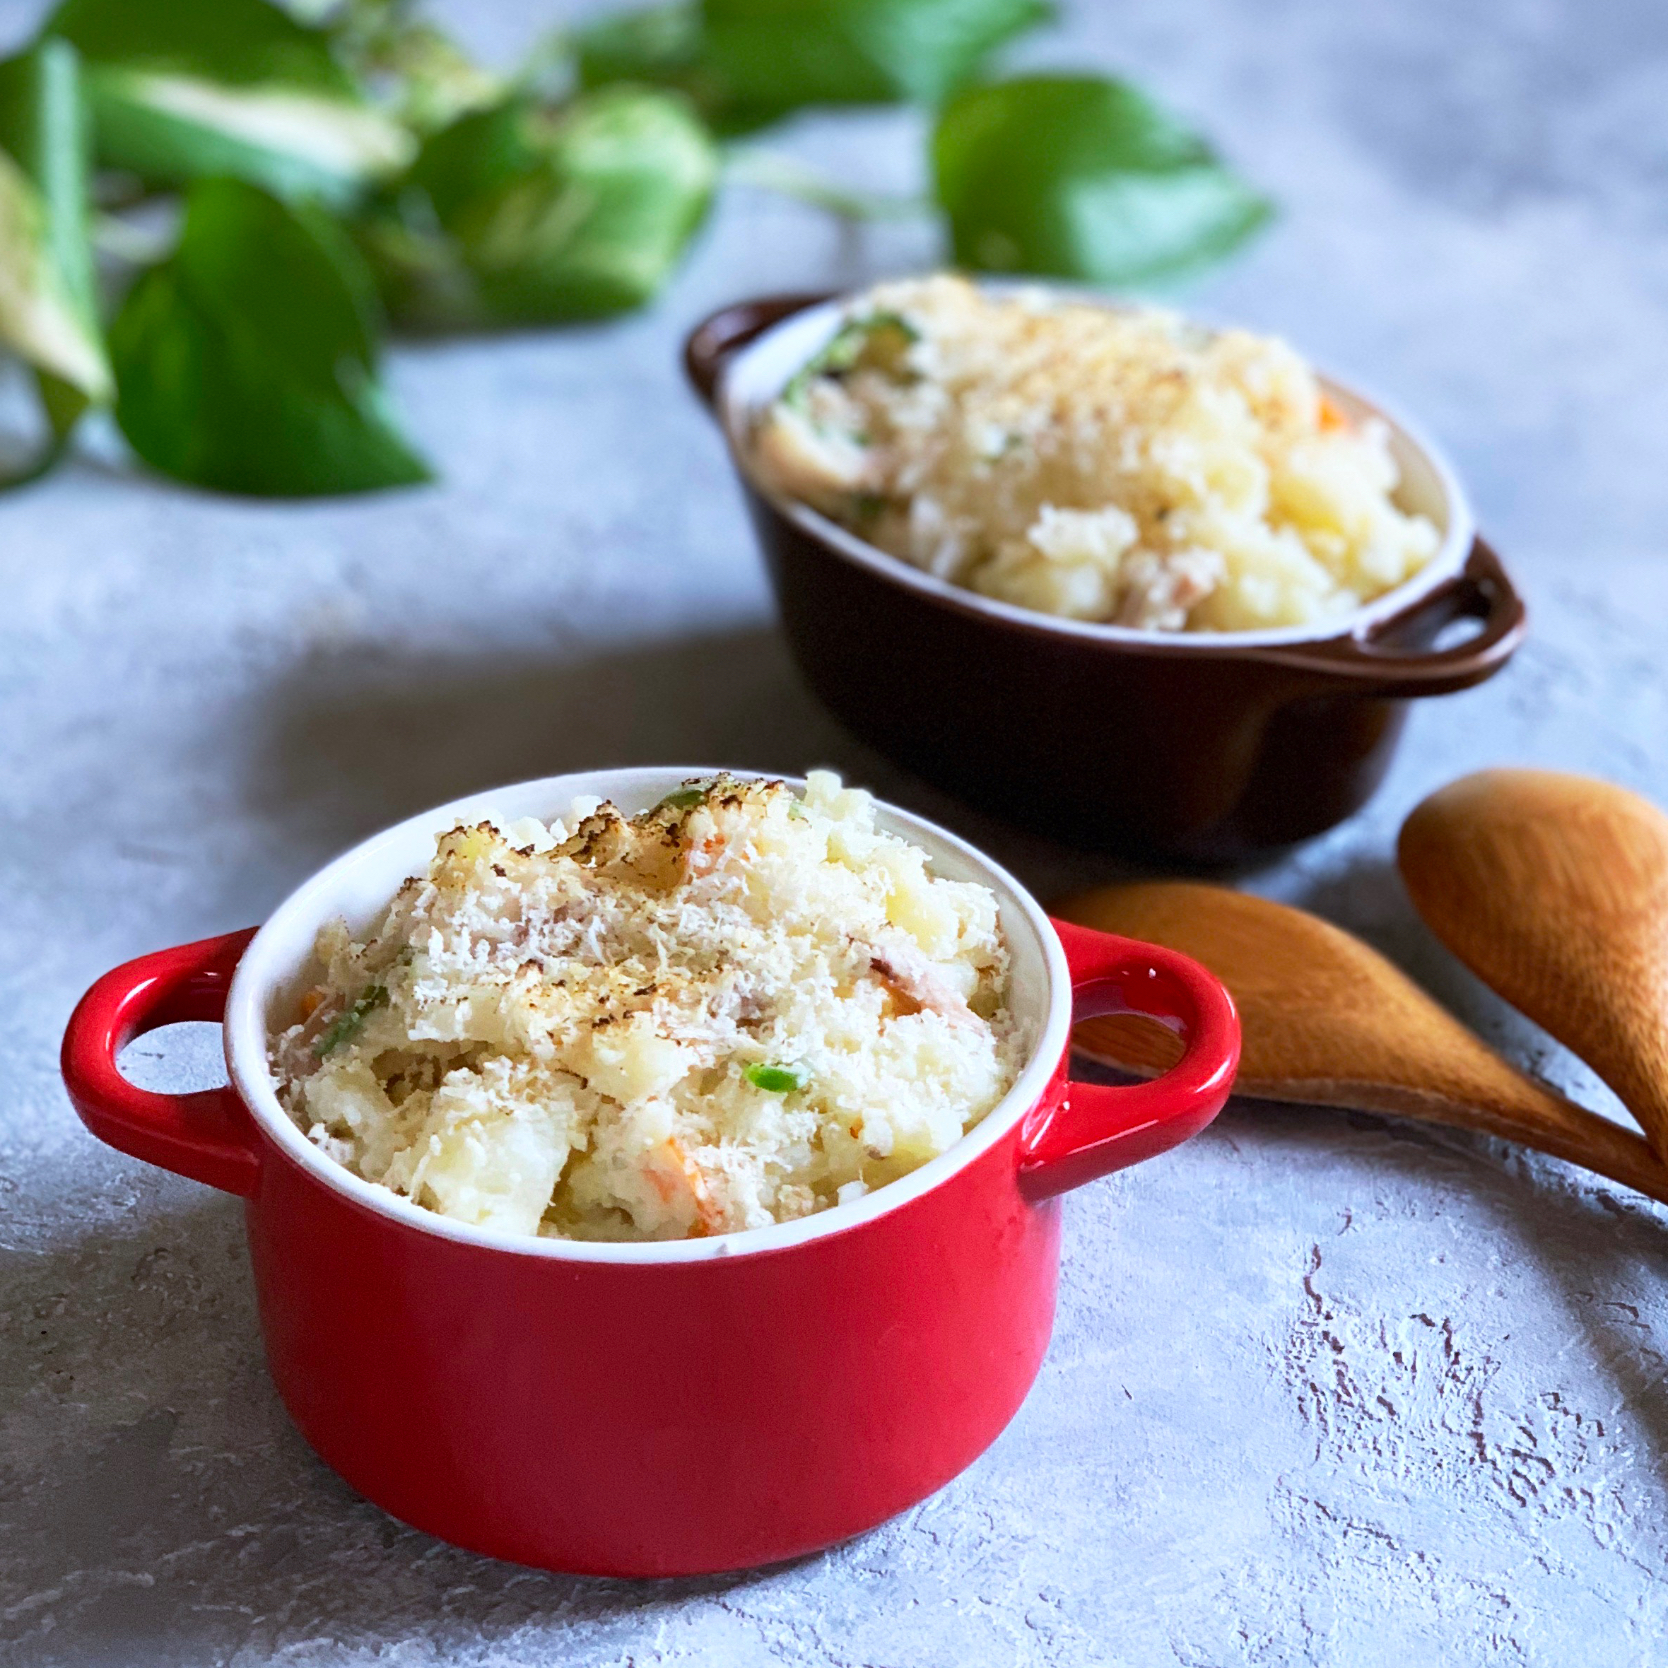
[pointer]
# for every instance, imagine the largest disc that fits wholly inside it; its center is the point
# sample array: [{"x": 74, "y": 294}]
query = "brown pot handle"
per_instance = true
[
  {"x": 1370, "y": 662},
  {"x": 715, "y": 339}
]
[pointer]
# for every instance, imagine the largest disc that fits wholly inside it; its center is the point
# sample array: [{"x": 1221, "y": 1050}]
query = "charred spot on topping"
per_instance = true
[
  {"x": 598, "y": 838},
  {"x": 499, "y": 870}
]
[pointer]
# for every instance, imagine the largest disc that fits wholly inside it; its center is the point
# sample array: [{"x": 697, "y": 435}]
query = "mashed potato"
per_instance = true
[
  {"x": 735, "y": 1009},
  {"x": 1095, "y": 463}
]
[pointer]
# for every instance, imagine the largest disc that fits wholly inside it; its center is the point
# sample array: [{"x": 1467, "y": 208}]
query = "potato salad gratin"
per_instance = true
[
  {"x": 1093, "y": 462},
  {"x": 737, "y": 1008}
]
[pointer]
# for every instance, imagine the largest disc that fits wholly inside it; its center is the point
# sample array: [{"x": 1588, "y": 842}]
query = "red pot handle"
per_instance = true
[
  {"x": 207, "y": 1136},
  {"x": 1096, "y": 1128}
]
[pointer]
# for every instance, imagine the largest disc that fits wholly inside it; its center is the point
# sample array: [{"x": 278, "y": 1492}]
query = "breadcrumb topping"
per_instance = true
[
  {"x": 736, "y": 1008},
  {"x": 1097, "y": 463}
]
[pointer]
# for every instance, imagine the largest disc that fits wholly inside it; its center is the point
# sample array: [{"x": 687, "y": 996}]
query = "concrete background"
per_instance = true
[{"x": 1324, "y": 1389}]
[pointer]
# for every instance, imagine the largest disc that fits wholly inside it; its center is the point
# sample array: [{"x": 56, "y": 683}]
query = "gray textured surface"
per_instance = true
[{"x": 1323, "y": 1389}]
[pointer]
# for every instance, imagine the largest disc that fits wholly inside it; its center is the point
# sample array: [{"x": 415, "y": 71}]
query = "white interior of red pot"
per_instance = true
[
  {"x": 279, "y": 965},
  {"x": 1428, "y": 487}
]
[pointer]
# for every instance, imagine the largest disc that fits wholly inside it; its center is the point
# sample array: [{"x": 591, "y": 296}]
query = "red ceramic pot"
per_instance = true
[
  {"x": 653, "y": 1409},
  {"x": 1193, "y": 747}
]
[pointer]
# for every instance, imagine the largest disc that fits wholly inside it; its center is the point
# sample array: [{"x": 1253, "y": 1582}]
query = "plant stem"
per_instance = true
[{"x": 771, "y": 171}]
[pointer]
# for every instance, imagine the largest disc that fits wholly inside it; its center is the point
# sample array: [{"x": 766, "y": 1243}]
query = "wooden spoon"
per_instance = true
[
  {"x": 1329, "y": 1022},
  {"x": 1554, "y": 890}
]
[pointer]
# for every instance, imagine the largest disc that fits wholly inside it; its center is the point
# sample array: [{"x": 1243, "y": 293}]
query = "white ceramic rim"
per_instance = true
[
  {"x": 359, "y": 883},
  {"x": 1429, "y": 484}
]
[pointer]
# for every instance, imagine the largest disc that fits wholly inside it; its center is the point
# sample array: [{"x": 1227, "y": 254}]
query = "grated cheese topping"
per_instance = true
[
  {"x": 1091, "y": 462},
  {"x": 737, "y": 1008}
]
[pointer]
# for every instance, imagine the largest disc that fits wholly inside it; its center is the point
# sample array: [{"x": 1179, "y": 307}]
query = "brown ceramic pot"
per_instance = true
[{"x": 1186, "y": 747}]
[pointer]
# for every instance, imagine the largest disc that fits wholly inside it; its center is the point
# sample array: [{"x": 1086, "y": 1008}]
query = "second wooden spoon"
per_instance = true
[
  {"x": 1328, "y": 1021},
  {"x": 1554, "y": 890}
]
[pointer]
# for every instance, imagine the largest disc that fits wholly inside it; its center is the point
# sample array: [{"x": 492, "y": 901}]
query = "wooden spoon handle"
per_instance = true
[
  {"x": 1328, "y": 1021},
  {"x": 1560, "y": 1128},
  {"x": 1523, "y": 1111}
]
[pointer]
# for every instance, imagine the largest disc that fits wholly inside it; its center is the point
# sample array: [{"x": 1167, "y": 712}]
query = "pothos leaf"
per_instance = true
[
  {"x": 197, "y": 88},
  {"x": 659, "y": 45},
  {"x": 747, "y": 62},
  {"x": 787, "y": 53},
  {"x": 47, "y": 304},
  {"x": 1081, "y": 177},
  {"x": 247, "y": 361},
  {"x": 521, "y": 215},
  {"x": 665, "y": 46},
  {"x": 412, "y": 67}
]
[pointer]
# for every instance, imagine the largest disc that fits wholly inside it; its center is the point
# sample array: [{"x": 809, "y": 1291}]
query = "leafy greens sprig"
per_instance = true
[{"x": 341, "y": 164}]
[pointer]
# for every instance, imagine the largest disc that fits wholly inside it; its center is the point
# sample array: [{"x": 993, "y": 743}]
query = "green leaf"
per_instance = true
[
  {"x": 748, "y": 62},
  {"x": 775, "y": 1080},
  {"x": 247, "y": 361},
  {"x": 787, "y": 53},
  {"x": 483, "y": 152},
  {"x": 411, "y": 66},
  {"x": 517, "y": 215},
  {"x": 48, "y": 313},
  {"x": 1079, "y": 177},
  {"x": 239, "y": 43},
  {"x": 196, "y": 88},
  {"x": 660, "y": 45},
  {"x": 664, "y": 46}
]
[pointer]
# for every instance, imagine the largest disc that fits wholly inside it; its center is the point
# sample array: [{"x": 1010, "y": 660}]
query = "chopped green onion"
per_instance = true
[
  {"x": 845, "y": 349},
  {"x": 867, "y": 505},
  {"x": 680, "y": 799},
  {"x": 797, "y": 812},
  {"x": 349, "y": 1024},
  {"x": 851, "y": 341},
  {"x": 775, "y": 1080}
]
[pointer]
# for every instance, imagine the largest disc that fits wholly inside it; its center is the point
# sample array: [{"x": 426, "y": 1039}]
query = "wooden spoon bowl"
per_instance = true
[
  {"x": 1553, "y": 889},
  {"x": 1328, "y": 1021}
]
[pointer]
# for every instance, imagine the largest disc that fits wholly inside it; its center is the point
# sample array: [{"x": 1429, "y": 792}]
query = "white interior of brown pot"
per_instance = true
[
  {"x": 279, "y": 965},
  {"x": 1428, "y": 487}
]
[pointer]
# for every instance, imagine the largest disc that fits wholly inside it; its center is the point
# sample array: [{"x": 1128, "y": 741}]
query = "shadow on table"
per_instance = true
[
  {"x": 362, "y": 739},
  {"x": 358, "y": 739},
  {"x": 160, "y": 1511}
]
